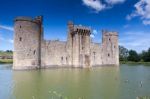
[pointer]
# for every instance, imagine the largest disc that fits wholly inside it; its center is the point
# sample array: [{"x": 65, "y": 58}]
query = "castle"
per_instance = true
[{"x": 31, "y": 51}]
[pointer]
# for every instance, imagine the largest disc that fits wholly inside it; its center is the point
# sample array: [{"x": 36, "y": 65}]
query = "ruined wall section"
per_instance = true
[
  {"x": 27, "y": 40},
  {"x": 54, "y": 54},
  {"x": 110, "y": 48},
  {"x": 96, "y": 54}
]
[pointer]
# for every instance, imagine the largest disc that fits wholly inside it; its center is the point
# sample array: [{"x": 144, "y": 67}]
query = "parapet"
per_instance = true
[
  {"x": 109, "y": 33},
  {"x": 82, "y": 29},
  {"x": 22, "y": 18},
  {"x": 37, "y": 19}
]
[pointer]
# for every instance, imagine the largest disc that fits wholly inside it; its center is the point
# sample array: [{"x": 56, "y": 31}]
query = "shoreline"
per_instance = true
[
  {"x": 6, "y": 61},
  {"x": 10, "y": 61},
  {"x": 135, "y": 63}
]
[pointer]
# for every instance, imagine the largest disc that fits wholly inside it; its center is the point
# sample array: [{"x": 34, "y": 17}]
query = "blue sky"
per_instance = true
[{"x": 131, "y": 18}]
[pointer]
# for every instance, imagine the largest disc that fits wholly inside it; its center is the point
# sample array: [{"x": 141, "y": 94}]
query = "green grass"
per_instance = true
[
  {"x": 6, "y": 53},
  {"x": 6, "y": 61}
]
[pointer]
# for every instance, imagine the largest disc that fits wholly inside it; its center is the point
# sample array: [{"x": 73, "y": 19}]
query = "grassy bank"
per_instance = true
[
  {"x": 129, "y": 62},
  {"x": 6, "y": 61}
]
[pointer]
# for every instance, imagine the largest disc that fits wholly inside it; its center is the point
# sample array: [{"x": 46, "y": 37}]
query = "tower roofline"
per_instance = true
[
  {"x": 37, "y": 19},
  {"x": 109, "y": 33}
]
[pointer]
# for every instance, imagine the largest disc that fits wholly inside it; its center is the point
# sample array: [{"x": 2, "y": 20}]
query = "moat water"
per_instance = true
[{"x": 126, "y": 82}]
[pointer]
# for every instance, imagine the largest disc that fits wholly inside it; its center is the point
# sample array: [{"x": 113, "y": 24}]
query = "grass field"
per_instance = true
[{"x": 6, "y": 61}]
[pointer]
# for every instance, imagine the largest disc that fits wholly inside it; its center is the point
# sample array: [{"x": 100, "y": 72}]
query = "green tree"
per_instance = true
[
  {"x": 133, "y": 56},
  {"x": 123, "y": 53},
  {"x": 146, "y": 55}
]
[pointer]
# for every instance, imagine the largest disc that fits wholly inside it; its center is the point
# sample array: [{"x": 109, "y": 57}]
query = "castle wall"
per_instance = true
[
  {"x": 96, "y": 54},
  {"x": 31, "y": 51},
  {"x": 54, "y": 53}
]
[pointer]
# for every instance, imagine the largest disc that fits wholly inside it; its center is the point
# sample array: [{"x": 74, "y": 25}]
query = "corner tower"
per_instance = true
[
  {"x": 110, "y": 48},
  {"x": 27, "y": 42}
]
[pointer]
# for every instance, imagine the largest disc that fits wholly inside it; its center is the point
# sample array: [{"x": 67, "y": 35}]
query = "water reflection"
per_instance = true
[{"x": 96, "y": 83}]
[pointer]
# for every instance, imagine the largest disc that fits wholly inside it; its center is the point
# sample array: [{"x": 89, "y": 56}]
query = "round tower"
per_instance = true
[{"x": 27, "y": 43}]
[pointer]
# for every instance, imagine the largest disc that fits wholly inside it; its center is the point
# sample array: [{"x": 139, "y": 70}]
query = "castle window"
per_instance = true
[
  {"x": 20, "y": 26},
  {"x": 114, "y": 46},
  {"x": 94, "y": 54},
  {"x": 61, "y": 58},
  {"x": 82, "y": 48},
  {"x": 20, "y": 39},
  {"x": 66, "y": 59},
  {"x": 109, "y": 39},
  {"x": 34, "y": 52},
  {"x": 108, "y": 54}
]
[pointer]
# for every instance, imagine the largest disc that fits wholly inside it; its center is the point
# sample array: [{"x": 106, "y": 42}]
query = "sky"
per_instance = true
[{"x": 130, "y": 18}]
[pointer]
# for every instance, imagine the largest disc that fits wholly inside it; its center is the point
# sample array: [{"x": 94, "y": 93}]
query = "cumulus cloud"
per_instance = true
[
  {"x": 6, "y": 28},
  {"x": 94, "y": 4},
  {"x": 98, "y": 6},
  {"x": 142, "y": 9}
]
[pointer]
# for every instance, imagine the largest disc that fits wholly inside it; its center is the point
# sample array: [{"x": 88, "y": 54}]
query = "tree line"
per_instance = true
[{"x": 132, "y": 55}]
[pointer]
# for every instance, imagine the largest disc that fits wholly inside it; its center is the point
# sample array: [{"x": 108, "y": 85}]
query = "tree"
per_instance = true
[
  {"x": 123, "y": 53},
  {"x": 146, "y": 55},
  {"x": 133, "y": 56}
]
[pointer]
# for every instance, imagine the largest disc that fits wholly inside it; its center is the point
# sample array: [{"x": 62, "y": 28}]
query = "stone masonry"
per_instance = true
[{"x": 31, "y": 51}]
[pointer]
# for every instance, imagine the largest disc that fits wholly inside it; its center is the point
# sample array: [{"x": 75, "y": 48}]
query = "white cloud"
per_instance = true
[
  {"x": 142, "y": 9},
  {"x": 98, "y": 6},
  {"x": 94, "y": 33},
  {"x": 92, "y": 36},
  {"x": 6, "y": 28},
  {"x": 94, "y": 4},
  {"x": 114, "y": 1},
  {"x": 146, "y": 22},
  {"x": 2, "y": 39},
  {"x": 135, "y": 40}
]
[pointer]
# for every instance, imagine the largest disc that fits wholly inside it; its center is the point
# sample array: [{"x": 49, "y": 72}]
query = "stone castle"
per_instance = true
[{"x": 31, "y": 51}]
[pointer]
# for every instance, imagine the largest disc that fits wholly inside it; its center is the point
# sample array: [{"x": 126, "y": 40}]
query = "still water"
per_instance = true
[{"x": 126, "y": 82}]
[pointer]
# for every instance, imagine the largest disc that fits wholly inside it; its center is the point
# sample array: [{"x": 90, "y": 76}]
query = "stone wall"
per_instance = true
[
  {"x": 54, "y": 53},
  {"x": 110, "y": 48},
  {"x": 31, "y": 51},
  {"x": 27, "y": 42},
  {"x": 96, "y": 54}
]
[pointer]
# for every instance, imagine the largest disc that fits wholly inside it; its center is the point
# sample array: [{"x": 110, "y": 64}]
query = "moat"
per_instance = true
[{"x": 125, "y": 82}]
